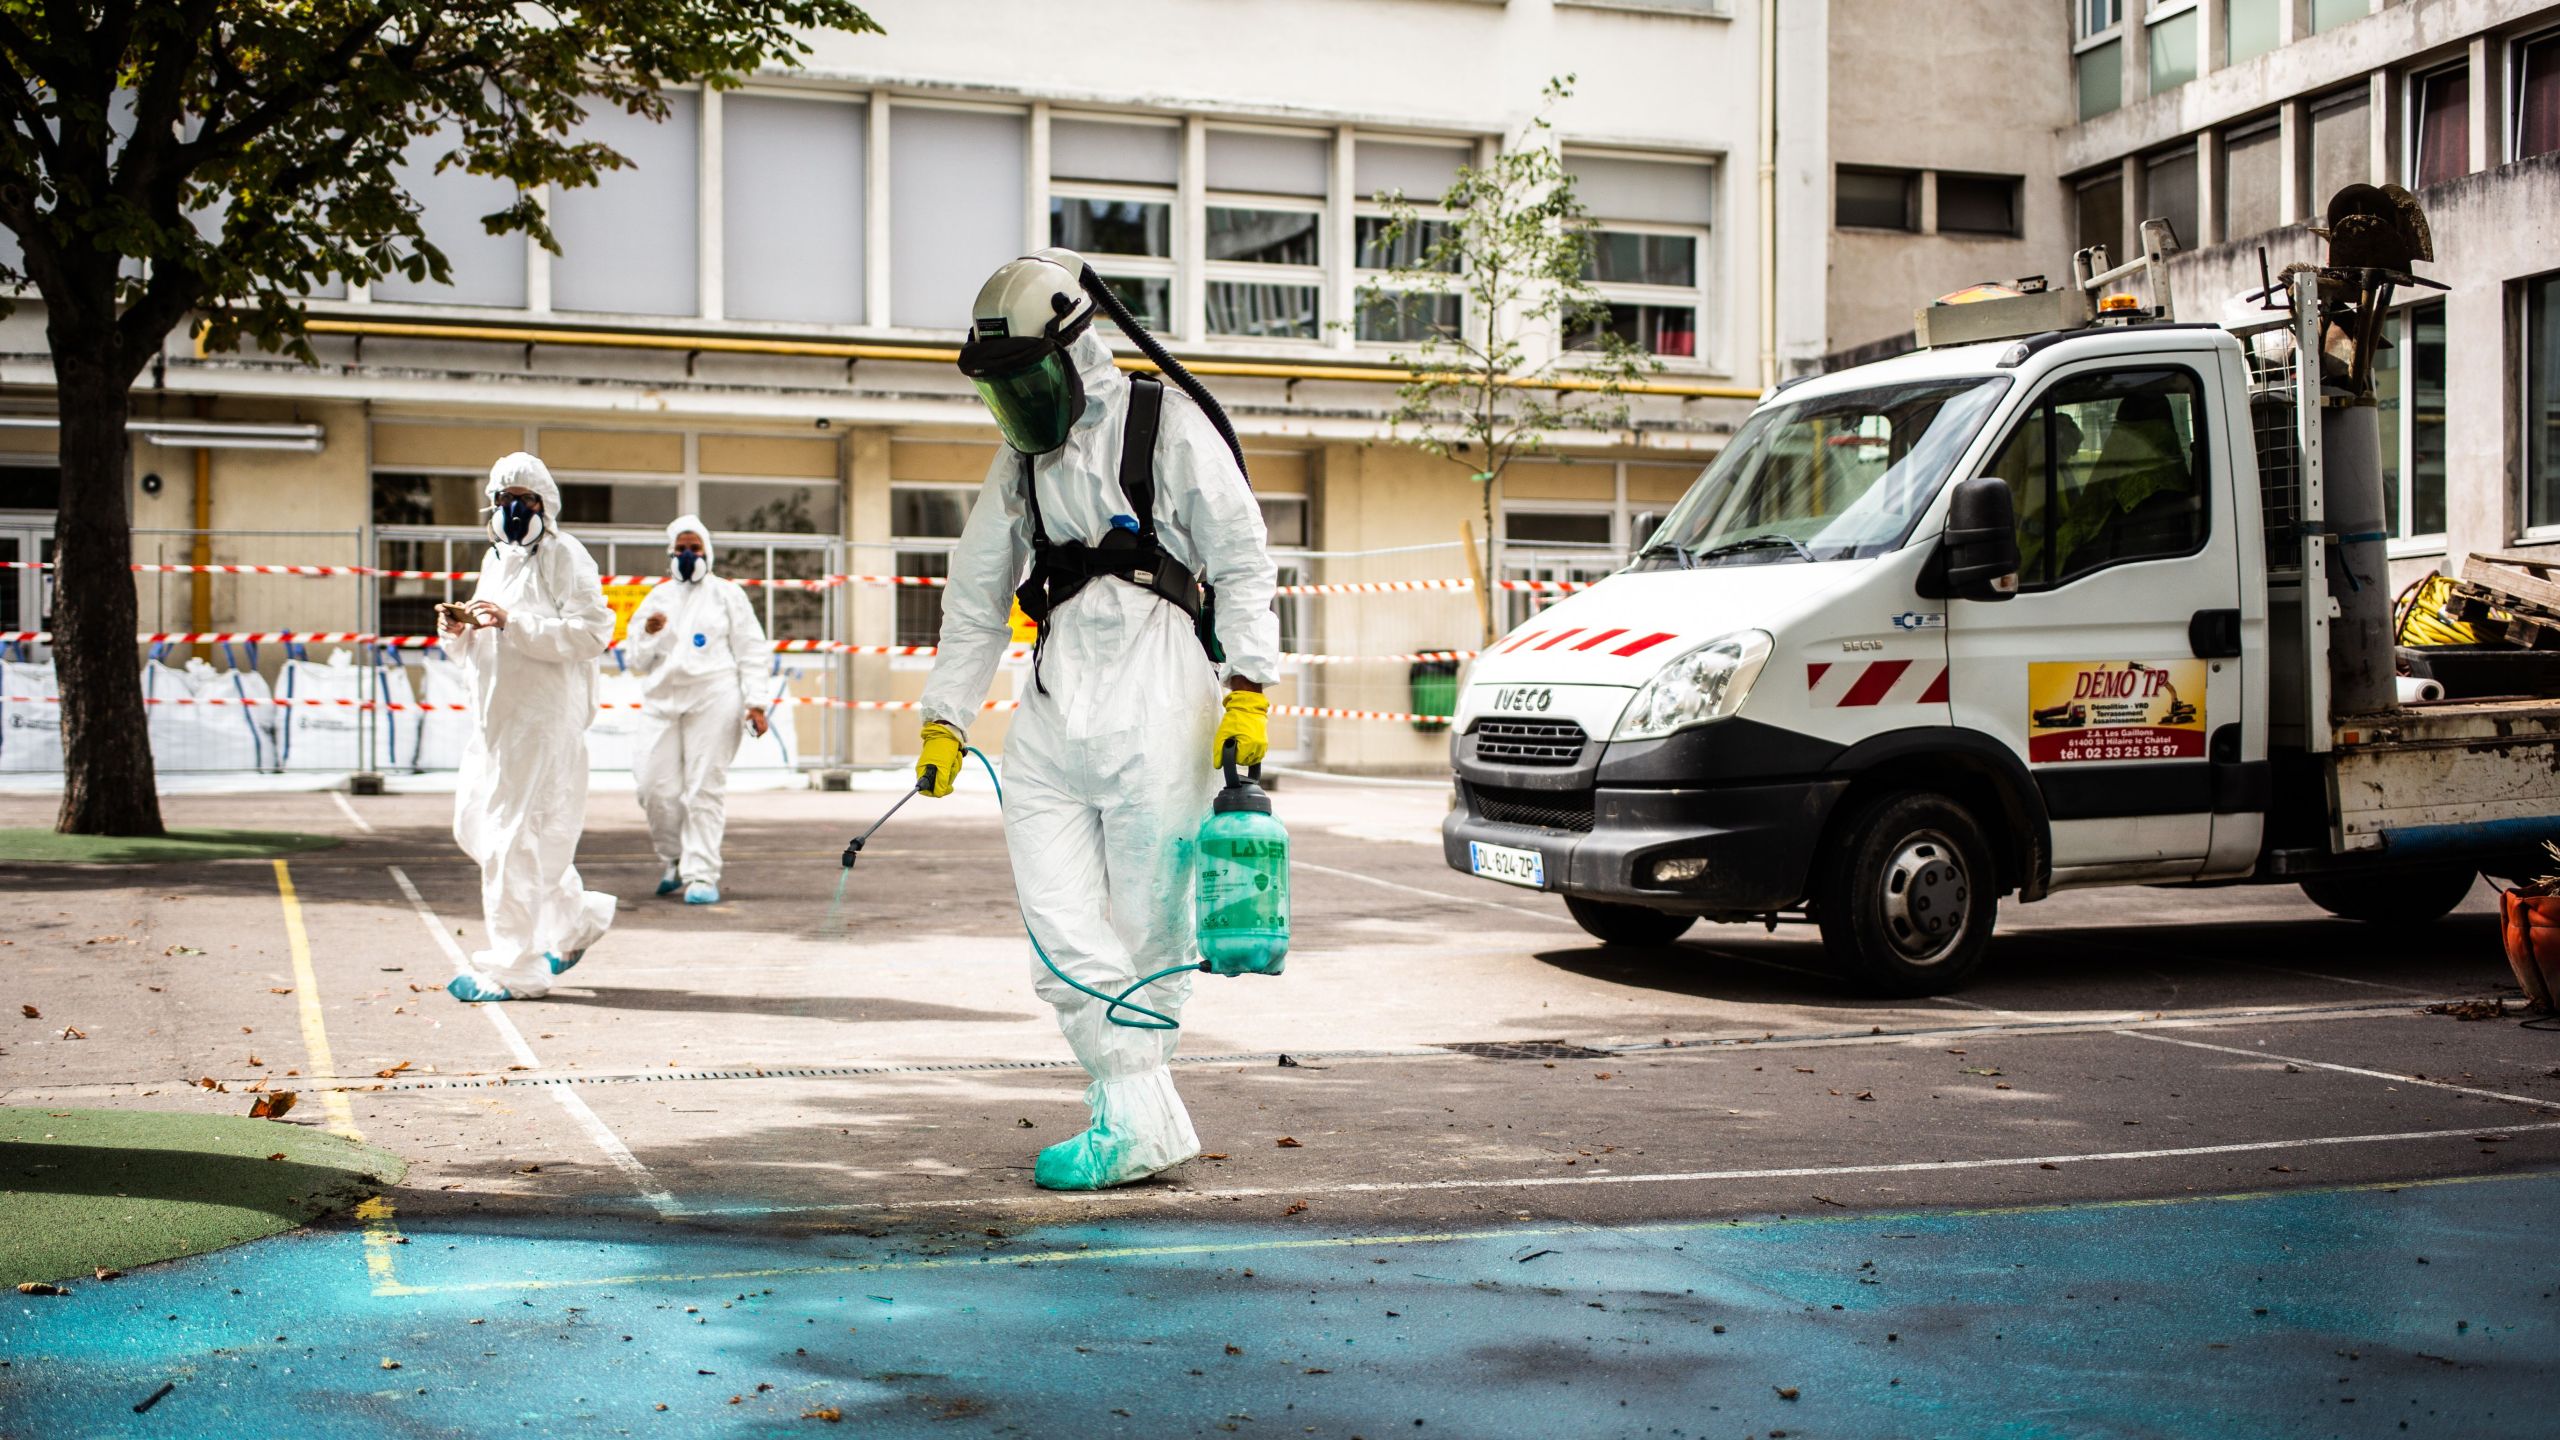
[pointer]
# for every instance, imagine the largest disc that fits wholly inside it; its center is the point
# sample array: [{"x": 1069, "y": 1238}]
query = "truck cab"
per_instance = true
[{"x": 1988, "y": 619}]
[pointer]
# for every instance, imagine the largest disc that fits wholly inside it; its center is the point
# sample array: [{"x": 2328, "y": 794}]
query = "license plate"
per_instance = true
[{"x": 1508, "y": 865}]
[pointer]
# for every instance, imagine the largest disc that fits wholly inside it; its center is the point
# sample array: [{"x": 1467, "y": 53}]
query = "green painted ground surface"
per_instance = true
[
  {"x": 80, "y": 1189},
  {"x": 46, "y": 847}
]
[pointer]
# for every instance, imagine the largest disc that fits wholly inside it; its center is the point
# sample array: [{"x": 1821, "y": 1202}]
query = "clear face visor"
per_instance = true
[{"x": 1031, "y": 386}]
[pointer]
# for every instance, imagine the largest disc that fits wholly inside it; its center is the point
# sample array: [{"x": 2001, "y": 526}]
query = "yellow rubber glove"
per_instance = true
[
  {"x": 940, "y": 755},
  {"x": 1248, "y": 724}
]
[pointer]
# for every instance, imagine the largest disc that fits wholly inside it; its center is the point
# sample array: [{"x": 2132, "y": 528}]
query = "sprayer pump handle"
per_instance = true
[
  {"x": 1227, "y": 761},
  {"x": 925, "y": 780}
]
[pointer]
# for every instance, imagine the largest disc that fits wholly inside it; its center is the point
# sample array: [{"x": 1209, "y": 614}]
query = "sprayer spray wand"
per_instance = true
[{"x": 1113, "y": 1004}]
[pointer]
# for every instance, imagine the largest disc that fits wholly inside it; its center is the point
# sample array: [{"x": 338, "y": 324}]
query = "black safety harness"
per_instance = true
[{"x": 1060, "y": 569}]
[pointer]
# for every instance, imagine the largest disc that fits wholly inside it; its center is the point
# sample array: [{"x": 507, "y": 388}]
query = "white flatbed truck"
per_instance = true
[{"x": 2072, "y": 600}]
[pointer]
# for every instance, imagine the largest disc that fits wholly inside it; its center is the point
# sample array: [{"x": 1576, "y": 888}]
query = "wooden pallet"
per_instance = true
[{"x": 2510, "y": 599}]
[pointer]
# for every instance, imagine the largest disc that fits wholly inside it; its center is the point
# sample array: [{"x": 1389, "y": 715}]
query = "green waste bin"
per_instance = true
[{"x": 1435, "y": 692}]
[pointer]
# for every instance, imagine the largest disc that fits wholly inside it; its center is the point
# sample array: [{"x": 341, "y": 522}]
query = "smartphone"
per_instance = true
[{"x": 448, "y": 613}]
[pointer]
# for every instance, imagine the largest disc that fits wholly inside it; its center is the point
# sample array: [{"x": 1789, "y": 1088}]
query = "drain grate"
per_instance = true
[{"x": 1527, "y": 1050}]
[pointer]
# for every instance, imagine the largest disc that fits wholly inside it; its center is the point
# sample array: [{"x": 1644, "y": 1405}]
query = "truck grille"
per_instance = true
[
  {"x": 1529, "y": 742},
  {"x": 1540, "y": 809}
]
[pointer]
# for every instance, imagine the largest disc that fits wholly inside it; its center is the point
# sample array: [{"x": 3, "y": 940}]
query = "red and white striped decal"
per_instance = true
[
  {"x": 1850, "y": 684},
  {"x": 1620, "y": 641}
]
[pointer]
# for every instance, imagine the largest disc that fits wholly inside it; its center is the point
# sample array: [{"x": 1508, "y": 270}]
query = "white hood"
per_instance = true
[
  {"x": 680, "y": 525},
  {"x": 1628, "y": 626}
]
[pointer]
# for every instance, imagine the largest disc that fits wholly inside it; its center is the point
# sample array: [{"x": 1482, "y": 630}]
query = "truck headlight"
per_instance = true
[{"x": 1708, "y": 683}]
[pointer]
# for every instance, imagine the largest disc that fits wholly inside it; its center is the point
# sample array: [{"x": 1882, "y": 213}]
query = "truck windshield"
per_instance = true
[{"x": 1837, "y": 477}]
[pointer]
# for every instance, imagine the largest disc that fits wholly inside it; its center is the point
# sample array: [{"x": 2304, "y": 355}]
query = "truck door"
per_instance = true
[{"x": 2093, "y": 674}]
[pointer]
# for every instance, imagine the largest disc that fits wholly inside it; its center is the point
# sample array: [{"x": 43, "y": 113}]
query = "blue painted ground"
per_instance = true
[{"x": 2306, "y": 1313}]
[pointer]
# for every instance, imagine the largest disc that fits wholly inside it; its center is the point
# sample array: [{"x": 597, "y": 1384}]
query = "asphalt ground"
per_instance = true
[{"x": 2156, "y": 1094}]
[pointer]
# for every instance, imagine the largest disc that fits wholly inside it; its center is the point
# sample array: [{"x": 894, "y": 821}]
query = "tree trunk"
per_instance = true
[{"x": 108, "y": 782}]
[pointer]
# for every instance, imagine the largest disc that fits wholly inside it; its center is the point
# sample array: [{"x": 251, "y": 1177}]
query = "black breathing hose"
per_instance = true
[{"x": 1112, "y": 305}]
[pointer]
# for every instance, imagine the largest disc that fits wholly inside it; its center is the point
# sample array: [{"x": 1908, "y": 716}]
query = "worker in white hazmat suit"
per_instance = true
[
  {"x": 1109, "y": 765},
  {"x": 702, "y": 658},
  {"x": 529, "y": 640}
]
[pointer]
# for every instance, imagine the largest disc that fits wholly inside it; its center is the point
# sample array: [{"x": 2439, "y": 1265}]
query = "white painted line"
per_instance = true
[
  {"x": 513, "y": 1038},
  {"x": 1443, "y": 896},
  {"x": 1685, "y": 1177},
  {"x": 349, "y": 811},
  {"x": 2316, "y": 975},
  {"x": 2397, "y": 1079}
]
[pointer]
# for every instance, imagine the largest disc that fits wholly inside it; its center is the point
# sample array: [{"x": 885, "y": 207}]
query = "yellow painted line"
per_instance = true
[
  {"x": 381, "y": 1236},
  {"x": 1515, "y": 1232}
]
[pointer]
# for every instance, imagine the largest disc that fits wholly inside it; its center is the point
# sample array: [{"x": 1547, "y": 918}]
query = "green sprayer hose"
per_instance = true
[{"x": 1153, "y": 1019}]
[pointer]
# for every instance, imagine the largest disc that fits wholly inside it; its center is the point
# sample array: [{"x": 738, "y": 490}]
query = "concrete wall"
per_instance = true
[{"x": 1977, "y": 86}]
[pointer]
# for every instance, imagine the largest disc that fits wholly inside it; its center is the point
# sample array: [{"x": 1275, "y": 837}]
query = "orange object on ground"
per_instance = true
[{"x": 2532, "y": 929}]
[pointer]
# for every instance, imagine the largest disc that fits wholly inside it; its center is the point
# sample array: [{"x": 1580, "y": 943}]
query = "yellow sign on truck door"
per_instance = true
[{"x": 2083, "y": 710}]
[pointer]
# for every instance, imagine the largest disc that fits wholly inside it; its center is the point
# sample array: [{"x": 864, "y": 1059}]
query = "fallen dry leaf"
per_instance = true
[
  {"x": 271, "y": 1107},
  {"x": 279, "y": 989},
  {"x": 1235, "y": 1349},
  {"x": 1287, "y": 1142},
  {"x": 105, "y": 1273},
  {"x": 38, "y": 1287},
  {"x": 536, "y": 1170},
  {"x": 1785, "y": 1392},
  {"x": 1866, "y": 1095},
  {"x": 1213, "y": 1154},
  {"x": 182, "y": 950},
  {"x": 104, "y": 940},
  {"x": 1603, "y": 1075},
  {"x": 394, "y": 1070},
  {"x": 1295, "y": 1207},
  {"x": 74, "y": 1032},
  {"x": 828, "y": 1413},
  {"x": 31, "y": 1012},
  {"x": 277, "y": 1156},
  {"x": 254, "y": 1060},
  {"x": 390, "y": 1364}
]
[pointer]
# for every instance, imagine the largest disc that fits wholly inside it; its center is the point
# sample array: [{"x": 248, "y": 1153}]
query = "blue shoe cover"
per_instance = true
[
  {"x": 471, "y": 989},
  {"x": 670, "y": 882},
  {"x": 1139, "y": 1128},
  {"x": 701, "y": 892},
  {"x": 561, "y": 966}
]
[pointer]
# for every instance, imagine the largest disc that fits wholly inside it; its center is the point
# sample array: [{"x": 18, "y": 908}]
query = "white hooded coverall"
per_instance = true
[
  {"x": 1107, "y": 775},
  {"x": 521, "y": 796},
  {"x": 696, "y": 674}
]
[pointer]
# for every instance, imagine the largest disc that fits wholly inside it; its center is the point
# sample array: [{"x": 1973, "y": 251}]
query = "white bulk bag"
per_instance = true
[
  {"x": 195, "y": 735},
  {"x": 330, "y": 736},
  {"x": 614, "y": 736},
  {"x": 30, "y": 716},
  {"x": 442, "y": 733}
]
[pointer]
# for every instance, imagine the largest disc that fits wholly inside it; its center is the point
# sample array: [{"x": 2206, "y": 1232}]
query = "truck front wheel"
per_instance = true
[
  {"x": 1613, "y": 924},
  {"x": 2402, "y": 899},
  {"x": 1907, "y": 894}
]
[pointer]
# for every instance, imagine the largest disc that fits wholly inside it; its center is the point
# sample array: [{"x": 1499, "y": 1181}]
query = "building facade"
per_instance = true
[{"x": 756, "y": 322}]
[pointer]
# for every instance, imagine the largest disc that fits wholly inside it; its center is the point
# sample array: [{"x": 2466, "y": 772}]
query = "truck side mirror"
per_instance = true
[{"x": 1978, "y": 554}]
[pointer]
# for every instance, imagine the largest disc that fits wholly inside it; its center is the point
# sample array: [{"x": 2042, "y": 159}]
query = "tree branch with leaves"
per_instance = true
[
  {"x": 1529, "y": 353},
  {"x": 229, "y": 160}
]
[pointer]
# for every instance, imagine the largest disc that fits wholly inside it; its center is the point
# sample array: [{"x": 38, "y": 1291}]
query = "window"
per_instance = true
[
  {"x": 2098, "y": 212},
  {"x": 1978, "y": 204},
  {"x": 955, "y": 209},
  {"x": 1648, "y": 257},
  {"x": 2537, "y": 90},
  {"x": 1868, "y": 199},
  {"x": 791, "y": 209},
  {"x": 2330, "y": 14},
  {"x": 2542, "y": 401},
  {"x": 2252, "y": 180},
  {"x": 2408, "y": 385},
  {"x": 2251, "y": 28},
  {"x": 935, "y": 515},
  {"x": 405, "y": 498},
  {"x": 2107, "y": 469},
  {"x": 2101, "y": 75},
  {"x": 2097, "y": 17},
  {"x": 1422, "y": 173},
  {"x": 2174, "y": 51},
  {"x": 2341, "y": 147},
  {"x": 2169, "y": 190},
  {"x": 2441, "y": 148},
  {"x": 629, "y": 242},
  {"x": 616, "y": 502},
  {"x": 1284, "y": 521},
  {"x": 772, "y": 507},
  {"x": 1111, "y": 199},
  {"x": 1264, "y": 250},
  {"x": 1543, "y": 544},
  {"x": 487, "y": 269}
]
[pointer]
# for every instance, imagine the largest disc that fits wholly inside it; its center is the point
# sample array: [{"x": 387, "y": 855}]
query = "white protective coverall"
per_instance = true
[
  {"x": 1107, "y": 775},
  {"x": 696, "y": 674},
  {"x": 520, "y": 801}
]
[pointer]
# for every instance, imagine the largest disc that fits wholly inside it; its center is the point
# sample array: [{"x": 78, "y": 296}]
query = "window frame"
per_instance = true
[
  {"x": 2413, "y": 119},
  {"x": 2085, "y": 35},
  {"x": 1113, "y": 266},
  {"x": 1364, "y": 278},
  {"x": 2511, "y": 144},
  {"x": 2039, "y": 404},
  {"x": 1692, "y": 297},
  {"x": 2527, "y": 337},
  {"x": 1253, "y": 272},
  {"x": 2403, "y": 541},
  {"x": 2159, "y": 12},
  {"x": 1911, "y": 198}
]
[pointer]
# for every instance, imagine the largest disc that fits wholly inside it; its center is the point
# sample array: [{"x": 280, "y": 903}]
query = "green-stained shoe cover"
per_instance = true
[{"x": 1139, "y": 1129}]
